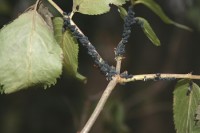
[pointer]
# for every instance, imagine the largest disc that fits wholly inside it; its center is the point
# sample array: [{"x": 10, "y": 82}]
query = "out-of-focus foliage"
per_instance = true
[
  {"x": 5, "y": 7},
  {"x": 114, "y": 117},
  {"x": 152, "y": 5},
  {"x": 193, "y": 14}
]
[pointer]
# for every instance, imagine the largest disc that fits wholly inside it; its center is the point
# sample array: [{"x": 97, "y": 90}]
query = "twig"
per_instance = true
[
  {"x": 159, "y": 76},
  {"x": 100, "y": 62},
  {"x": 118, "y": 65},
  {"x": 103, "y": 99},
  {"x": 100, "y": 105},
  {"x": 104, "y": 67},
  {"x": 56, "y": 6},
  {"x": 109, "y": 71}
]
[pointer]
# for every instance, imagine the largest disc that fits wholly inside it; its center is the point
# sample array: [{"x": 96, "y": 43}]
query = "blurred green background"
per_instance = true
[{"x": 138, "y": 107}]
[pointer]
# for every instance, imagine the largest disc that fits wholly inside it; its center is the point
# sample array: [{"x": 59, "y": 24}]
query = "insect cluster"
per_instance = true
[
  {"x": 104, "y": 67},
  {"x": 128, "y": 22}
]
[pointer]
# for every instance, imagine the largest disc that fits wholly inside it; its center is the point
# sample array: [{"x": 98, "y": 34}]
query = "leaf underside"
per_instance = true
[
  {"x": 29, "y": 54},
  {"x": 70, "y": 48},
  {"x": 185, "y": 107},
  {"x": 148, "y": 31},
  {"x": 95, "y": 7}
]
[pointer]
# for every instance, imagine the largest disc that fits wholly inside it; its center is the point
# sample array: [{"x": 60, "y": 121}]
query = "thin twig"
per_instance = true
[
  {"x": 56, "y": 6},
  {"x": 118, "y": 65},
  {"x": 103, "y": 99},
  {"x": 159, "y": 76},
  {"x": 71, "y": 14},
  {"x": 100, "y": 105}
]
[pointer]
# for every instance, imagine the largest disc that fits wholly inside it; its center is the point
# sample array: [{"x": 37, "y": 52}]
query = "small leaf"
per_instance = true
[
  {"x": 70, "y": 48},
  {"x": 29, "y": 54},
  {"x": 95, "y": 7},
  {"x": 185, "y": 107},
  {"x": 151, "y": 4},
  {"x": 123, "y": 13},
  {"x": 148, "y": 31}
]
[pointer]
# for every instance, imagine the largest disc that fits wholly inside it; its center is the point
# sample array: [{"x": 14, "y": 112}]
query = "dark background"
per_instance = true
[{"x": 137, "y": 107}]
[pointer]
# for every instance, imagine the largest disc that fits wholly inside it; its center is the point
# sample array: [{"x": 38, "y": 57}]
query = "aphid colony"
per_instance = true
[
  {"x": 106, "y": 69},
  {"x": 128, "y": 22}
]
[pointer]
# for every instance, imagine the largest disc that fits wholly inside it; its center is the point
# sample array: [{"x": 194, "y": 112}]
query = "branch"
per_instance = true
[
  {"x": 103, "y": 98},
  {"x": 104, "y": 67},
  {"x": 159, "y": 76},
  {"x": 100, "y": 105},
  {"x": 118, "y": 65},
  {"x": 56, "y": 6},
  {"x": 108, "y": 70}
]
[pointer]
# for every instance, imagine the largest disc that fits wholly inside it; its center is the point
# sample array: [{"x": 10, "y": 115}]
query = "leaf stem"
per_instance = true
[
  {"x": 159, "y": 76},
  {"x": 36, "y": 4}
]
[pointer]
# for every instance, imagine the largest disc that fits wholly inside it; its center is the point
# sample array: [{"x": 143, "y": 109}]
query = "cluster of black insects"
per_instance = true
[
  {"x": 129, "y": 20},
  {"x": 109, "y": 71},
  {"x": 106, "y": 69}
]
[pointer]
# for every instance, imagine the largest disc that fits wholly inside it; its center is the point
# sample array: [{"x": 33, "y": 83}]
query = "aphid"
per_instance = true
[
  {"x": 157, "y": 77},
  {"x": 100, "y": 63},
  {"x": 128, "y": 22},
  {"x": 145, "y": 78},
  {"x": 125, "y": 75},
  {"x": 77, "y": 7},
  {"x": 190, "y": 87}
]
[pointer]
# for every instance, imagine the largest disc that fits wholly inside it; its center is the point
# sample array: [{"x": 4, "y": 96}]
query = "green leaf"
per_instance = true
[
  {"x": 148, "y": 30},
  {"x": 70, "y": 48},
  {"x": 185, "y": 107},
  {"x": 197, "y": 116},
  {"x": 95, "y": 7},
  {"x": 151, "y": 4},
  {"x": 122, "y": 11},
  {"x": 29, "y": 54}
]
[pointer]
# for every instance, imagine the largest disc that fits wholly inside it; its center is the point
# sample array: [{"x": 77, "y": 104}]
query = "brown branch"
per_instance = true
[
  {"x": 159, "y": 76},
  {"x": 56, "y": 6},
  {"x": 100, "y": 105}
]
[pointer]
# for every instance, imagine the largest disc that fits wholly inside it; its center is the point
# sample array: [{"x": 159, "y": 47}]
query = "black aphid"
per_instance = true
[
  {"x": 157, "y": 77},
  {"x": 190, "y": 87},
  {"x": 77, "y": 7},
  {"x": 109, "y": 71},
  {"x": 128, "y": 22}
]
